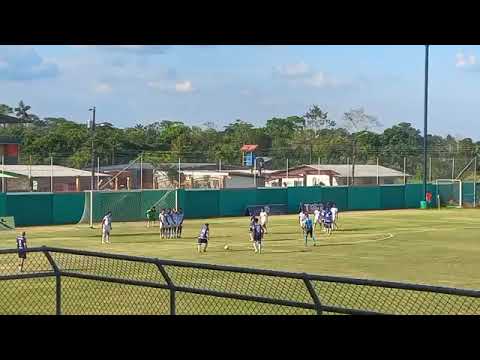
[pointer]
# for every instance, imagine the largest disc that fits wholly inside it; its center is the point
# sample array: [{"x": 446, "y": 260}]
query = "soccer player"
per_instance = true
[
  {"x": 322, "y": 217},
  {"x": 264, "y": 220},
  {"x": 161, "y": 220},
  {"x": 180, "y": 222},
  {"x": 334, "y": 211},
  {"x": 203, "y": 238},
  {"x": 302, "y": 217},
  {"x": 328, "y": 221},
  {"x": 316, "y": 218},
  {"x": 168, "y": 224},
  {"x": 22, "y": 250},
  {"x": 151, "y": 215},
  {"x": 106, "y": 227},
  {"x": 175, "y": 223},
  {"x": 250, "y": 228},
  {"x": 309, "y": 231},
  {"x": 257, "y": 236}
]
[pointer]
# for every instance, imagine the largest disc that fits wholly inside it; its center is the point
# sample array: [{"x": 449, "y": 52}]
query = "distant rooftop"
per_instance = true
[
  {"x": 46, "y": 171},
  {"x": 248, "y": 148},
  {"x": 344, "y": 170},
  {"x": 6, "y": 119}
]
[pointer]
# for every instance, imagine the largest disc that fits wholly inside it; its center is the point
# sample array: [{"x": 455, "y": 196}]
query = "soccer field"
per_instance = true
[{"x": 418, "y": 246}]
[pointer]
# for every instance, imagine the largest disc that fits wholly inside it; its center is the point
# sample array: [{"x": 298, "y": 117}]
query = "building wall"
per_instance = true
[
  {"x": 60, "y": 184},
  {"x": 316, "y": 180},
  {"x": 236, "y": 182}
]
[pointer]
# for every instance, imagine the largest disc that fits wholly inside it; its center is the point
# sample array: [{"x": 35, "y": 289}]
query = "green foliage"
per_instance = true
[{"x": 302, "y": 139}]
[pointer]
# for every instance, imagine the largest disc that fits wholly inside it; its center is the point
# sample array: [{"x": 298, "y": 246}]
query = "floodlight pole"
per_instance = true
[
  {"x": 425, "y": 116},
  {"x": 92, "y": 186}
]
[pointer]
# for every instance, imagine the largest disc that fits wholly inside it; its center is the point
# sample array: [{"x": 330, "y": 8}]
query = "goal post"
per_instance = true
[
  {"x": 449, "y": 192},
  {"x": 125, "y": 205}
]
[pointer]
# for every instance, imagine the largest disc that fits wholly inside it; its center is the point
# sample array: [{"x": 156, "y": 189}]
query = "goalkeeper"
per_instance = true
[{"x": 151, "y": 216}]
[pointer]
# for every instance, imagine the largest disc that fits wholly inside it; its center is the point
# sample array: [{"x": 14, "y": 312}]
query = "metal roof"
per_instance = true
[
  {"x": 46, "y": 171},
  {"x": 360, "y": 170}
]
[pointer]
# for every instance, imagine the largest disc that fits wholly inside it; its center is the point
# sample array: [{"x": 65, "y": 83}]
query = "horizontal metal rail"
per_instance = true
[{"x": 163, "y": 267}]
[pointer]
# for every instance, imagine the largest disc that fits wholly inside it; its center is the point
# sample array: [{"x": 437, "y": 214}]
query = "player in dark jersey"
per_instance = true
[
  {"x": 22, "y": 250},
  {"x": 309, "y": 231},
  {"x": 180, "y": 222},
  {"x": 322, "y": 216},
  {"x": 328, "y": 219},
  {"x": 250, "y": 228},
  {"x": 203, "y": 238},
  {"x": 257, "y": 236}
]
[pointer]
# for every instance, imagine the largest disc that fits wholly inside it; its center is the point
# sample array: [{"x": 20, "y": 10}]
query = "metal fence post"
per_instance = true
[
  {"x": 171, "y": 286},
  {"x": 58, "y": 283},
  {"x": 313, "y": 294}
]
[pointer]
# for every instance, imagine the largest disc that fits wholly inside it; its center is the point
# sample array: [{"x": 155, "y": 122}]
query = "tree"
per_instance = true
[
  {"x": 317, "y": 119},
  {"x": 5, "y": 109},
  {"x": 358, "y": 122}
]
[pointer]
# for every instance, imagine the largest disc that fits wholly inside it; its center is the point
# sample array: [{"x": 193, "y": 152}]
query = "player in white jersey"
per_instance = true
[
  {"x": 263, "y": 220},
  {"x": 334, "y": 211},
  {"x": 316, "y": 218},
  {"x": 161, "y": 220},
  {"x": 302, "y": 217},
  {"x": 106, "y": 227}
]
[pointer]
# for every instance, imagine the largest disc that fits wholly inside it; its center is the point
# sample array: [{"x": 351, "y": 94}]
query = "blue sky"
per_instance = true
[{"x": 197, "y": 84}]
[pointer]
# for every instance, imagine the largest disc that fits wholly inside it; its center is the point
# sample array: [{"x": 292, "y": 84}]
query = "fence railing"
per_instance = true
[{"x": 65, "y": 281}]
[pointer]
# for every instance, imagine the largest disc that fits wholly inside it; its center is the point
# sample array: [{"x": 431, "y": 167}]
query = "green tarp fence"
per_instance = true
[{"x": 69, "y": 208}]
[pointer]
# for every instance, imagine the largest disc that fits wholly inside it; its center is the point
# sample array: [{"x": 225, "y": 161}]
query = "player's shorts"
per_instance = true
[
  {"x": 309, "y": 232},
  {"x": 328, "y": 225},
  {"x": 106, "y": 230},
  {"x": 257, "y": 239},
  {"x": 202, "y": 241},
  {"x": 22, "y": 254},
  {"x": 263, "y": 222}
]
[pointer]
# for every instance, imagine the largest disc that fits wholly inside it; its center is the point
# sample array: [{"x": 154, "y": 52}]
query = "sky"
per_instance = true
[{"x": 140, "y": 84}]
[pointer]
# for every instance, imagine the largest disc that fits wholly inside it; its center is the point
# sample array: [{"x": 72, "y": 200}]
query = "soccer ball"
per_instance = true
[{"x": 226, "y": 247}]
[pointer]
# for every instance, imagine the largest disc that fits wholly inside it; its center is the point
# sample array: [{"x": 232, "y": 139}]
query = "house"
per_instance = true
[
  {"x": 211, "y": 179},
  {"x": 335, "y": 175},
  {"x": 129, "y": 176},
  {"x": 42, "y": 178}
]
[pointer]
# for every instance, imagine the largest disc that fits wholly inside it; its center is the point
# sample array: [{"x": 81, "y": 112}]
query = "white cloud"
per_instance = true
[
  {"x": 184, "y": 86},
  {"x": 293, "y": 70},
  {"x": 466, "y": 62},
  {"x": 302, "y": 74},
  {"x": 103, "y": 88}
]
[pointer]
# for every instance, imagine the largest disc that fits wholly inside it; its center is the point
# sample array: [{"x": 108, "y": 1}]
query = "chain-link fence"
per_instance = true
[
  {"x": 65, "y": 281},
  {"x": 145, "y": 170}
]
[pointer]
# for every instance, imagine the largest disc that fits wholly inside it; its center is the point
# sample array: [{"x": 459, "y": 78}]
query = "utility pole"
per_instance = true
[
  {"x": 92, "y": 186},
  {"x": 425, "y": 116}
]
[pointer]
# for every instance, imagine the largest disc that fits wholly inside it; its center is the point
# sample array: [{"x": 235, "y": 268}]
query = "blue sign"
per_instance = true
[{"x": 249, "y": 159}]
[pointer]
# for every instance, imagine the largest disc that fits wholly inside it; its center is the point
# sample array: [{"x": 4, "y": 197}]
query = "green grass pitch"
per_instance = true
[{"x": 435, "y": 247}]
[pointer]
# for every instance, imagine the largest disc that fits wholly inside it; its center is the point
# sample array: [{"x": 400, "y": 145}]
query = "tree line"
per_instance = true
[{"x": 302, "y": 139}]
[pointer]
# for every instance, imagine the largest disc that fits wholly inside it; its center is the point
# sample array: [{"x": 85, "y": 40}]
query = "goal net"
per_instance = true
[
  {"x": 449, "y": 193},
  {"x": 125, "y": 205}
]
